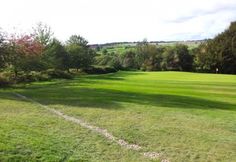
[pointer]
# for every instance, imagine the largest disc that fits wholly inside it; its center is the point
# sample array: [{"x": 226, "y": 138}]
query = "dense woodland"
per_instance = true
[{"x": 40, "y": 56}]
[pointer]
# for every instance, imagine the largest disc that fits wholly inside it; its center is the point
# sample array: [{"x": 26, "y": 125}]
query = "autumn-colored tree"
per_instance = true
[
  {"x": 25, "y": 53},
  {"x": 26, "y": 45}
]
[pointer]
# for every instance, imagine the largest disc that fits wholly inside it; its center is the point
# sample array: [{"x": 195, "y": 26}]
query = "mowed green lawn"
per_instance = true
[{"x": 183, "y": 116}]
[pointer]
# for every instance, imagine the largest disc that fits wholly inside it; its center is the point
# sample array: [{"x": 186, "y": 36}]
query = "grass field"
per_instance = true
[
  {"x": 121, "y": 49},
  {"x": 118, "y": 49},
  {"x": 184, "y": 116}
]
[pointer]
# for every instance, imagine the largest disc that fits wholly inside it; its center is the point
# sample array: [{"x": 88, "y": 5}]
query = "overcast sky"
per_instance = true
[{"x": 102, "y": 21}]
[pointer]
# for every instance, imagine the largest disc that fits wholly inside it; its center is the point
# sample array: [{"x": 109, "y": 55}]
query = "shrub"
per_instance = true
[
  {"x": 32, "y": 76},
  {"x": 100, "y": 70},
  {"x": 58, "y": 74},
  {"x": 5, "y": 81},
  {"x": 110, "y": 70}
]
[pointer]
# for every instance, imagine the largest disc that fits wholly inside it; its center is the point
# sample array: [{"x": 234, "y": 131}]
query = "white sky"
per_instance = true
[{"x": 102, "y": 21}]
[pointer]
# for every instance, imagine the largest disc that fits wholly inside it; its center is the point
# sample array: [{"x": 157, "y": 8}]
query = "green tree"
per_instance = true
[
  {"x": 153, "y": 58},
  {"x": 77, "y": 40},
  {"x": 80, "y": 53},
  {"x": 141, "y": 52},
  {"x": 170, "y": 59},
  {"x": 185, "y": 58},
  {"x": 3, "y": 52},
  {"x": 43, "y": 34},
  {"x": 58, "y": 56},
  {"x": 218, "y": 54},
  {"x": 177, "y": 58},
  {"x": 128, "y": 60},
  {"x": 202, "y": 60},
  {"x": 104, "y": 51}
]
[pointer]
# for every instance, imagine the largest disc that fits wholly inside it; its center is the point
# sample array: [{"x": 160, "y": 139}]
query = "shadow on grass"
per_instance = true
[
  {"x": 112, "y": 99},
  {"x": 64, "y": 93},
  {"x": 88, "y": 79}
]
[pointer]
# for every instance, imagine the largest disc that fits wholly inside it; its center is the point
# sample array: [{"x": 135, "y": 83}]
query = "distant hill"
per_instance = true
[{"x": 168, "y": 43}]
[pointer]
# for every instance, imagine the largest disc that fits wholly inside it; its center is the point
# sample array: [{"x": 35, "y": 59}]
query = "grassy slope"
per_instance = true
[
  {"x": 186, "y": 116},
  {"x": 118, "y": 49},
  {"x": 30, "y": 133},
  {"x": 121, "y": 49}
]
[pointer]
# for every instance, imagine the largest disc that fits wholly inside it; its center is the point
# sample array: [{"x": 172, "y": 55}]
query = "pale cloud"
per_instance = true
[{"x": 121, "y": 20}]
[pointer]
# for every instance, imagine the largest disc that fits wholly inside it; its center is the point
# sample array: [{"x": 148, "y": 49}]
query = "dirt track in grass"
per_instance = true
[{"x": 101, "y": 131}]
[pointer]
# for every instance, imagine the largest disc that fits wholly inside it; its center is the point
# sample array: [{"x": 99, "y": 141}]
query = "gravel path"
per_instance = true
[{"x": 101, "y": 131}]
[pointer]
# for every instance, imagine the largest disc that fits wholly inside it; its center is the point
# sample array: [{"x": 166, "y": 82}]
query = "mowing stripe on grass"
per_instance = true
[{"x": 101, "y": 131}]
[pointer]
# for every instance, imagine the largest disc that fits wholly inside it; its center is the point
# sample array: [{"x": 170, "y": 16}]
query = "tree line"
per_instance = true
[
  {"x": 216, "y": 55},
  {"x": 148, "y": 57},
  {"x": 41, "y": 51},
  {"x": 40, "y": 54}
]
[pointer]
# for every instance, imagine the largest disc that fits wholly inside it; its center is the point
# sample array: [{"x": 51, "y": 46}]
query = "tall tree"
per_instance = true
[
  {"x": 77, "y": 40},
  {"x": 170, "y": 59},
  {"x": 59, "y": 57},
  {"x": 185, "y": 58},
  {"x": 219, "y": 54},
  {"x": 3, "y": 52},
  {"x": 178, "y": 58},
  {"x": 80, "y": 53},
  {"x": 43, "y": 34},
  {"x": 25, "y": 53},
  {"x": 129, "y": 60},
  {"x": 142, "y": 52}
]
